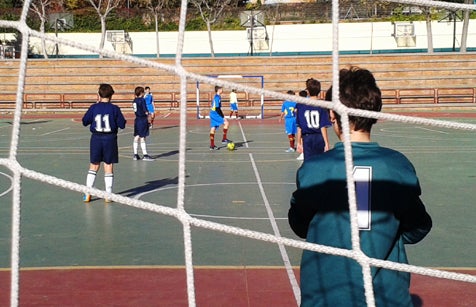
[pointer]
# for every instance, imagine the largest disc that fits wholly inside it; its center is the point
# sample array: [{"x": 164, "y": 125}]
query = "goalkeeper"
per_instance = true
[
  {"x": 217, "y": 119},
  {"x": 391, "y": 213}
]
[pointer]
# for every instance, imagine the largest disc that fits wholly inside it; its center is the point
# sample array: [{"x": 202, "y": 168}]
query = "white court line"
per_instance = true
[
  {"x": 51, "y": 132},
  {"x": 284, "y": 254},
  {"x": 235, "y": 217},
  {"x": 11, "y": 184},
  {"x": 432, "y": 130}
]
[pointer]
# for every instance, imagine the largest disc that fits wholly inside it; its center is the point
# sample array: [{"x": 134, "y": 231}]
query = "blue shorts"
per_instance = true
[
  {"x": 290, "y": 125},
  {"x": 234, "y": 106},
  {"x": 216, "y": 120},
  {"x": 312, "y": 144},
  {"x": 141, "y": 127},
  {"x": 103, "y": 148}
]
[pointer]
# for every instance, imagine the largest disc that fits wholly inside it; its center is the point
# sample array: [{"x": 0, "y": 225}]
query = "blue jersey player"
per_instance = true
[
  {"x": 141, "y": 125},
  {"x": 288, "y": 112},
  {"x": 104, "y": 120},
  {"x": 149, "y": 101},
  {"x": 217, "y": 119},
  {"x": 312, "y": 122},
  {"x": 390, "y": 211}
]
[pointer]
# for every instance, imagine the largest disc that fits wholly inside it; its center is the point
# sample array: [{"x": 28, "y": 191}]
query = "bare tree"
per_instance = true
[
  {"x": 156, "y": 7},
  {"x": 39, "y": 7},
  {"x": 103, "y": 8},
  {"x": 210, "y": 10},
  {"x": 464, "y": 34},
  {"x": 429, "y": 31}
]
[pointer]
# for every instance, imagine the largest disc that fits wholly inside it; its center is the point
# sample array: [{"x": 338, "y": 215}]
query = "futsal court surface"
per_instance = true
[{"x": 98, "y": 254}]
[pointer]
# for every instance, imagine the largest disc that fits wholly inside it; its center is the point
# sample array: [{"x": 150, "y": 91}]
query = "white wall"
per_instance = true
[{"x": 282, "y": 38}]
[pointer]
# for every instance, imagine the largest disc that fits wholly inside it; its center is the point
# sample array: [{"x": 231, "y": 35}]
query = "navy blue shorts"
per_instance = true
[
  {"x": 141, "y": 127},
  {"x": 103, "y": 148}
]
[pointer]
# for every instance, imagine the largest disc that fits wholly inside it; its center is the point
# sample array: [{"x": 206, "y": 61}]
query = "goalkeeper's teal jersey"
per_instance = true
[{"x": 390, "y": 214}]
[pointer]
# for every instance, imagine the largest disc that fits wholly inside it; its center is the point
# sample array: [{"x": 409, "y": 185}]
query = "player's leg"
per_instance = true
[
  {"x": 91, "y": 178},
  {"x": 111, "y": 156},
  {"x": 143, "y": 145},
  {"x": 236, "y": 111},
  {"x": 108, "y": 179},
  {"x": 226, "y": 124},
  {"x": 152, "y": 117},
  {"x": 290, "y": 127},
  {"x": 135, "y": 147},
  {"x": 212, "y": 138},
  {"x": 95, "y": 158}
]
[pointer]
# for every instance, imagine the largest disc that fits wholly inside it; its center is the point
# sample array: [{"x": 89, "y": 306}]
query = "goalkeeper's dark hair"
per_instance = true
[{"x": 358, "y": 90}]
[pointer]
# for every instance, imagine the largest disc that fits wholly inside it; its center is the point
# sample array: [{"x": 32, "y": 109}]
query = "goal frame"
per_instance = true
[{"x": 259, "y": 77}]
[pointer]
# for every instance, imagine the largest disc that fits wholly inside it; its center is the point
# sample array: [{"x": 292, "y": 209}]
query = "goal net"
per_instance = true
[
  {"x": 179, "y": 212},
  {"x": 249, "y": 105}
]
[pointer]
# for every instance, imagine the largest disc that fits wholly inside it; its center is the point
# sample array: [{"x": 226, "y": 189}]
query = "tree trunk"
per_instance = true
[
  {"x": 429, "y": 32},
  {"x": 156, "y": 16},
  {"x": 103, "y": 34},
  {"x": 43, "y": 43},
  {"x": 209, "y": 28},
  {"x": 464, "y": 34}
]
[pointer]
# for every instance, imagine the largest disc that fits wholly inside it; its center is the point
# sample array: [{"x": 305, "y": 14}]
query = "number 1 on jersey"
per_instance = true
[{"x": 363, "y": 184}]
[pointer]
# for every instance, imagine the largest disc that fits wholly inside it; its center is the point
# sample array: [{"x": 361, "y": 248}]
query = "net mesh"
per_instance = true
[{"x": 179, "y": 211}]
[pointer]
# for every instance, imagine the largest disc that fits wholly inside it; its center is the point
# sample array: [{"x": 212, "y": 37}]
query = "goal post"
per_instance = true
[{"x": 206, "y": 95}]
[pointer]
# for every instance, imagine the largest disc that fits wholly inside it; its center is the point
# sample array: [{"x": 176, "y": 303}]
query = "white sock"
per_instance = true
[
  {"x": 143, "y": 146},
  {"x": 135, "y": 146},
  {"x": 109, "y": 182},
  {"x": 90, "y": 178}
]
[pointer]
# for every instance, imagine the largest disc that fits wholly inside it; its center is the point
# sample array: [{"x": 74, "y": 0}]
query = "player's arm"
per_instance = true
[
  {"x": 299, "y": 139},
  {"x": 87, "y": 118},
  {"x": 325, "y": 137},
  {"x": 219, "y": 111},
  {"x": 301, "y": 212},
  {"x": 121, "y": 121},
  {"x": 416, "y": 223}
]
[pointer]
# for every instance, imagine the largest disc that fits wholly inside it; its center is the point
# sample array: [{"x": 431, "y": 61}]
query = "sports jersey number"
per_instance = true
[
  {"x": 102, "y": 123},
  {"x": 363, "y": 184},
  {"x": 312, "y": 118}
]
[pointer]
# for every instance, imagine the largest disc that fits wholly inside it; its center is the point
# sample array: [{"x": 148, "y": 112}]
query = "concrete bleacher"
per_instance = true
[{"x": 403, "y": 78}]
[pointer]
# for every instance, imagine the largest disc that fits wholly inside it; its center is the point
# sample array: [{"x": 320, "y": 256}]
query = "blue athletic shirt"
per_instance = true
[
  {"x": 140, "y": 107},
  {"x": 216, "y": 114},
  {"x": 311, "y": 118},
  {"x": 289, "y": 108},
  {"x": 149, "y": 101},
  {"x": 104, "y": 117}
]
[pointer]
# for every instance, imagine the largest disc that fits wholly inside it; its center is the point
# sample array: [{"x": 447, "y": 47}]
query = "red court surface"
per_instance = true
[{"x": 214, "y": 287}]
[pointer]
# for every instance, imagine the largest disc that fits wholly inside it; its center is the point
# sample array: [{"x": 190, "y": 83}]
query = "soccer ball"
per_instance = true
[{"x": 230, "y": 146}]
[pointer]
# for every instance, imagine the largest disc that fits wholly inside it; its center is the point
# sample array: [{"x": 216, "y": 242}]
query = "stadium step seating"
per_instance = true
[{"x": 403, "y": 78}]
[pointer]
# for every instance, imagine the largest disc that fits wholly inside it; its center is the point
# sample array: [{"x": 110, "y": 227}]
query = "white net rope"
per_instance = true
[{"x": 179, "y": 212}]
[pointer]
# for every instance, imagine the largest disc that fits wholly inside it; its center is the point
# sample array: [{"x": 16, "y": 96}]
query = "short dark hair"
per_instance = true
[
  {"x": 303, "y": 93},
  {"x": 290, "y": 92},
  {"x": 105, "y": 90},
  {"x": 358, "y": 90},
  {"x": 217, "y": 87},
  {"x": 139, "y": 91},
  {"x": 313, "y": 87}
]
